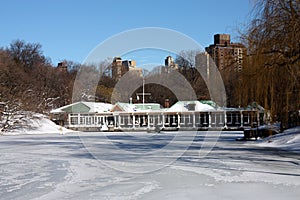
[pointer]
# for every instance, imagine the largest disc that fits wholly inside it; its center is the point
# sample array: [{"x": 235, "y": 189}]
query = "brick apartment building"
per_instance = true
[{"x": 225, "y": 54}]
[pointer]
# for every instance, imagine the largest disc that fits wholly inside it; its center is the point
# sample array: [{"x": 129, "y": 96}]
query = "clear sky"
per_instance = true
[{"x": 70, "y": 29}]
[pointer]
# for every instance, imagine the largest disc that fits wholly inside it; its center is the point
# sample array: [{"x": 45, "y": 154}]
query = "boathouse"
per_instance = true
[{"x": 183, "y": 115}]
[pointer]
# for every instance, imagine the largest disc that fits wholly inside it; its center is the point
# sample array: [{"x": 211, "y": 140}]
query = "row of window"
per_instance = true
[{"x": 187, "y": 120}]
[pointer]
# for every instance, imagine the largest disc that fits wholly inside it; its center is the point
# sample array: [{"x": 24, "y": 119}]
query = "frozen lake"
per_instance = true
[{"x": 170, "y": 165}]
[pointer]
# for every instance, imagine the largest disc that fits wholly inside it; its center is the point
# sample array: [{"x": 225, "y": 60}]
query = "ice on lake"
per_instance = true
[{"x": 142, "y": 165}]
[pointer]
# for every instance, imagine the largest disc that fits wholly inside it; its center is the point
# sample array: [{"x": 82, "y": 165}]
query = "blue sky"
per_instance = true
[{"x": 69, "y": 29}]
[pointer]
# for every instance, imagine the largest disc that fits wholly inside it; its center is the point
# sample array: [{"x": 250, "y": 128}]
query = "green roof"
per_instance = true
[
  {"x": 209, "y": 102},
  {"x": 77, "y": 108}
]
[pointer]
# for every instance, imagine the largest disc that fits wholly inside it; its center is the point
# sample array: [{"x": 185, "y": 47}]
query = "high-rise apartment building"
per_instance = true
[
  {"x": 226, "y": 55},
  {"x": 120, "y": 67},
  {"x": 170, "y": 64}
]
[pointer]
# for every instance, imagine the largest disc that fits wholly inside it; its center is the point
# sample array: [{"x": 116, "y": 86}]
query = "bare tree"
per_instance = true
[
  {"x": 186, "y": 59},
  {"x": 29, "y": 55}
]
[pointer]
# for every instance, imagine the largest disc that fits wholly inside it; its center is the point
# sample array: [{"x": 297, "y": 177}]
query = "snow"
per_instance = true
[
  {"x": 138, "y": 107},
  {"x": 127, "y": 107},
  {"x": 288, "y": 140},
  {"x": 99, "y": 165},
  {"x": 182, "y": 106},
  {"x": 37, "y": 124},
  {"x": 98, "y": 106}
]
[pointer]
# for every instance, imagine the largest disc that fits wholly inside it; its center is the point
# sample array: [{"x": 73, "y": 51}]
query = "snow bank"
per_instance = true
[
  {"x": 36, "y": 124},
  {"x": 288, "y": 140}
]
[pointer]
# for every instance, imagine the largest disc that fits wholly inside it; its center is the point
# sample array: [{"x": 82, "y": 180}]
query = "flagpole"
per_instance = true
[{"x": 143, "y": 91}]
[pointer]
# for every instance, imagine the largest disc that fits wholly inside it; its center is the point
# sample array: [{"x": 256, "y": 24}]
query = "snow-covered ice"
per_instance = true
[
  {"x": 288, "y": 140},
  {"x": 102, "y": 165}
]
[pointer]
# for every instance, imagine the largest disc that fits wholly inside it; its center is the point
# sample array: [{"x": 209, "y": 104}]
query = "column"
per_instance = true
[
  {"x": 248, "y": 118},
  {"x": 133, "y": 121},
  {"x": 242, "y": 120},
  {"x": 95, "y": 119},
  {"x": 85, "y": 120},
  {"x": 128, "y": 120},
  {"x": 225, "y": 119},
  {"x": 174, "y": 120},
  {"x": 178, "y": 120},
  {"x": 139, "y": 120},
  {"x": 221, "y": 119},
  {"x": 194, "y": 120},
  {"x": 209, "y": 119}
]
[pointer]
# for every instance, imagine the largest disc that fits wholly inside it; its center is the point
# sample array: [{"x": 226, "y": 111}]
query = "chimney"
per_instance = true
[{"x": 167, "y": 103}]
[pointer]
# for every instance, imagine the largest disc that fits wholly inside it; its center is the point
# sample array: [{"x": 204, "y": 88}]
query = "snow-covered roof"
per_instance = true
[
  {"x": 84, "y": 107},
  {"x": 183, "y": 106},
  {"x": 99, "y": 107},
  {"x": 127, "y": 107},
  {"x": 180, "y": 106}
]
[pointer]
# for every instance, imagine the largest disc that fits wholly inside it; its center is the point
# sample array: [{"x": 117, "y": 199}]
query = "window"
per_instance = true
[{"x": 74, "y": 120}]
